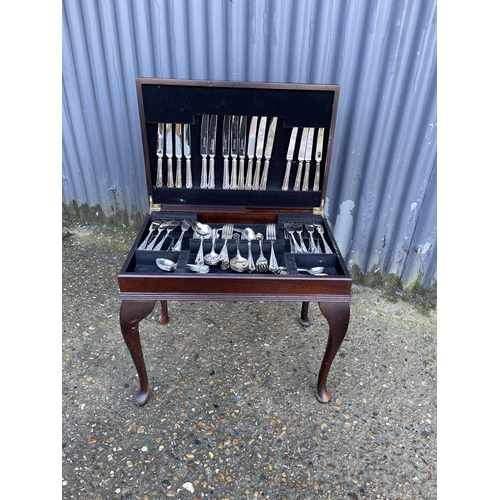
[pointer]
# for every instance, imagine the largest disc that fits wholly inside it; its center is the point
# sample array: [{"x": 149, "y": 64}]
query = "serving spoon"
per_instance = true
[
  {"x": 203, "y": 231},
  {"x": 238, "y": 263},
  {"x": 212, "y": 258}
]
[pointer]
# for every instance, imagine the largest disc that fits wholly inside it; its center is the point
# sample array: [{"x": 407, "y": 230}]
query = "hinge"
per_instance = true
[
  {"x": 153, "y": 207},
  {"x": 320, "y": 210}
]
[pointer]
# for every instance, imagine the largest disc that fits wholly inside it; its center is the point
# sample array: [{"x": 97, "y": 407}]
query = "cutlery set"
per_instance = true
[
  {"x": 304, "y": 156},
  {"x": 241, "y": 143},
  {"x": 247, "y": 142},
  {"x": 303, "y": 238},
  {"x": 168, "y": 136}
]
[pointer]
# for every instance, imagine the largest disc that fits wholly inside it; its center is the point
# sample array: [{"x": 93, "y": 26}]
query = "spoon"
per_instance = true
[
  {"x": 238, "y": 263},
  {"x": 203, "y": 231},
  {"x": 212, "y": 258},
  {"x": 249, "y": 235},
  {"x": 168, "y": 265},
  {"x": 315, "y": 271}
]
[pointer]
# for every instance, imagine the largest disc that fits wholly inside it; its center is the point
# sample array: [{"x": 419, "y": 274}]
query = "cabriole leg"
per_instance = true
[
  {"x": 131, "y": 313},
  {"x": 164, "y": 313},
  {"x": 304, "y": 314},
  {"x": 337, "y": 314}
]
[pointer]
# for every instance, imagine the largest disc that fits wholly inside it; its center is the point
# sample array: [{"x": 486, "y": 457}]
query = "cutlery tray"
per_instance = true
[{"x": 200, "y": 141}]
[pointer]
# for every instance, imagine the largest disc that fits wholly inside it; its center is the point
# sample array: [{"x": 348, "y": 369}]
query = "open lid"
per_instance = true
[{"x": 306, "y": 111}]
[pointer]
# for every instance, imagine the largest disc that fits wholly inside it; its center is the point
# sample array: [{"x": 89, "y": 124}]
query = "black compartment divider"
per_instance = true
[{"x": 145, "y": 260}]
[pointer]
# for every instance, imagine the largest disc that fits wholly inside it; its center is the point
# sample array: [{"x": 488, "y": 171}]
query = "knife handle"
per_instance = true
[
  {"x": 298, "y": 178},
  {"x": 316, "y": 177},
  {"x": 241, "y": 175},
  {"x": 256, "y": 177},
  {"x": 178, "y": 174},
  {"x": 263, "y": 181},
  {"x": 170, "y": 174},
  {"x": 203, "y": 181},
  {"x": 234, "y": 174},
  {"x": 211, "y": 174},
  {"x": 305, "y": 183},
  {"x": 159, "y": 173},
  {"x": 189, "y": 176},
  {"x": 286, "y": 179},
  {"x": 248, "y": 182},
  {"x": 225, "y": 178}
]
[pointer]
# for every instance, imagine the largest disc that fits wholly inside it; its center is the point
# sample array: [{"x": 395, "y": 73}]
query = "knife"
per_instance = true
[
  {"x": 169, "y": 152},
  {"x": 211, "y": 151},
  {"x": 187, "y": 154},
  {"x": 309, "y": 147},
  {"x": 317, "y": 157},
  {"x": 302, "y": 153},
  {"x": 289, "y": 157},
  {"x": 261, "y": 137},
  {"x": 204, "y": 150},
  {"x": 159, "y": 153},
  {"x": 267, "y": 153},
  {"x": 242, "y": 138},
  {"x": 178, "y": 155},
  {"x": 234, "y": 153},
  {"x": 251, "y": 150},
  {"x": 226, "y": 139}
]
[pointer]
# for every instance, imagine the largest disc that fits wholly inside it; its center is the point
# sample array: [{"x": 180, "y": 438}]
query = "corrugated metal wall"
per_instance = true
[{"x": 382, "y": 197}]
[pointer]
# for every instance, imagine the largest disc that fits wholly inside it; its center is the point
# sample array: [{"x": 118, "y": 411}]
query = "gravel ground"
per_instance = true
[{"x": 232, "y": 412}]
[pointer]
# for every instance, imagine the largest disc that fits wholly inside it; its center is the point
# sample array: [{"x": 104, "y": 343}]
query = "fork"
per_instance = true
[
  {"x": 271, "y": 235},
  {"x": 226, "y": 234},
  {"x": 172, "y": 225},
  {"x": 152, "y": 227},
  {"x": 261, "y": 262},
  {"x": 185, "y": 225},
  {"x": 298, "y": 229},
  {"x": 321, "y": 232},
  {"x": 294, "y": 247},
  {"x": 310, "y": 229},
  {"x": 160, "y": 228}
]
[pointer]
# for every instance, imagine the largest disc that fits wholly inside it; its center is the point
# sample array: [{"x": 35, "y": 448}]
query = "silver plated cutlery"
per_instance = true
[
  {"x": 301, "y": 156},
  {"x": 187, "y": 155},
  {"x": 259, "y": 151},
  {"x": 185, "y": 225},
  {"x": 252, "y": 137},
  {"x": 242, "y": 138},
  {"x": 226, "y": 141},
  {"x": 233, "y": 184},
  {"x": 178, "y": 155},
  {"x": 204, "y": 151},
  {"x": 309, "y": 147},
  {"x": 160, "y": 229},
  {"x": 211, "y": 150},
  {"x": 169, "y": 152},
  {"x": 226, "y": 234},
  {"x": 261, "y": 263},
  {"x": 172, "y": 225},
  {"x": 268, "y": 152},
  {"x": 289, "y": 157},
  {"x": 159, "y": 154},
  {"x": 321, "y": 231},
  {"x": 152, "y": 227},
  {"x": 271, "y": 235},
  {"x": 317, "y": 158}
]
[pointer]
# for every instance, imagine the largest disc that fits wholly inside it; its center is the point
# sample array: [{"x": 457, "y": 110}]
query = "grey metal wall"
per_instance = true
[{"x": 382, "y": 197}]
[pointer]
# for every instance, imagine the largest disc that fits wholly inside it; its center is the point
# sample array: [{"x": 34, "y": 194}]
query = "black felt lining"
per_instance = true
[
  {"x": 187, "y": 103},
  {"x": 181, "y": 103}
]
